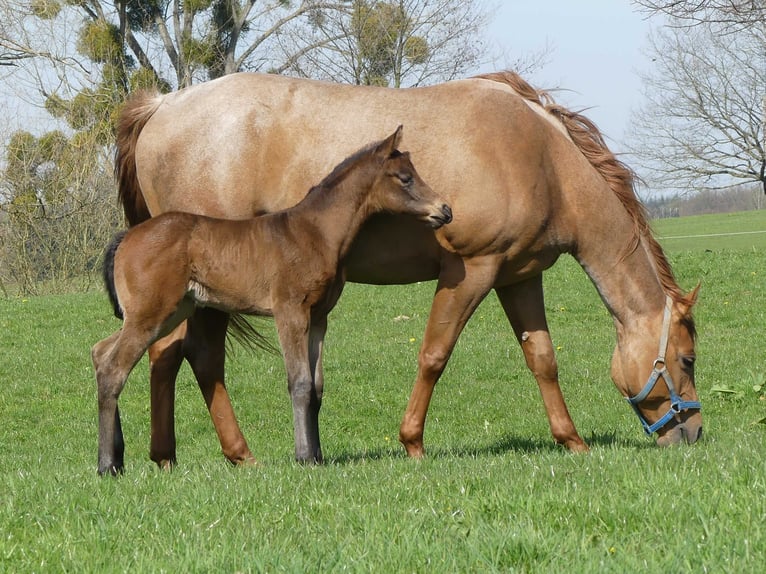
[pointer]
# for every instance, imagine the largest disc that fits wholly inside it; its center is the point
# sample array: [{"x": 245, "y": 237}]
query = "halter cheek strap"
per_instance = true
[{"x": 660, "y": 371}]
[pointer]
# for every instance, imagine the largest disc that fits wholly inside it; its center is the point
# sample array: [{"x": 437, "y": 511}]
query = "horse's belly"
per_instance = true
[{"x": 392, "y": 250}]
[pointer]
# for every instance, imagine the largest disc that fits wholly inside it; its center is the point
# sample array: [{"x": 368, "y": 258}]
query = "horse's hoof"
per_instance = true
[
  {"x": 576, "y": 446},
  {"x": 247, "y": 461},
  {"x": 110, "y": 470},
  {"x": 414, "y": 450}
]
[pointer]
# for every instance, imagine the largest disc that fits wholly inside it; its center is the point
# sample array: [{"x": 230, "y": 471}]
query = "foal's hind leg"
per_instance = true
[
  {"x": 113, "y": 359},
  {"x": 523, "y": 304},
  {"x": 165, "y": 358},
  {"x": 205, "y": 349}
]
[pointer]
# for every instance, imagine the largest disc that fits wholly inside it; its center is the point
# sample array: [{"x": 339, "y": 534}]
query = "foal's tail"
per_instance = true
[
  {"x": 133, "y": 117},
  {"x": 108, "y": 272}
]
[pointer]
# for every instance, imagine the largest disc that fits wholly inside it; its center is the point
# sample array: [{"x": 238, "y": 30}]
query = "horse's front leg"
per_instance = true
[
  {"x": 317, "y": 333},
  {"x": 205, "y": 349},
  {"x": 461, "y": 287},
  {"x": 525, "y": 309},
  {"x": 165, "y": 358},
  {"x": 294, "y": 329}
]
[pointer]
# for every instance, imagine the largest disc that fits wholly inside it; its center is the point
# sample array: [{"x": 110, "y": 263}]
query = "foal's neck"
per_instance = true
[{"x": 337, "y": 212}]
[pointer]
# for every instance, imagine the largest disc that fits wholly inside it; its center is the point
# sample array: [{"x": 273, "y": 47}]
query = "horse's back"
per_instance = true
[{"x": 251, "y": 143}]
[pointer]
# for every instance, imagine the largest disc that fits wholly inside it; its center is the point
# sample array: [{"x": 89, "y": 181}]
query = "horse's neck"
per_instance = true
[
  {"x": 627, "y": 280},
  {"x": 337, "y": 213}
]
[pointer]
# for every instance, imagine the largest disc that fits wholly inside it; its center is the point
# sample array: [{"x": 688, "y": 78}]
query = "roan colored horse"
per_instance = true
[
  {"x": 287, "y": 264},
  {"x": 526, "y": 178}
]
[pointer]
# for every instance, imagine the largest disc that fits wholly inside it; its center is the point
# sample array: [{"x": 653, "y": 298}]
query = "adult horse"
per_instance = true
[{"x": 527, "y": 180}]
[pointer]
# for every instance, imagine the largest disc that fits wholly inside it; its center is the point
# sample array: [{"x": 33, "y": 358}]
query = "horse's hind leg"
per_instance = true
[
  {"x": 205, "y": 349},
  {"x": 460, "y": 289},
  {"x": 165, "y": 358},
  {"x": 524, "y": 307}
]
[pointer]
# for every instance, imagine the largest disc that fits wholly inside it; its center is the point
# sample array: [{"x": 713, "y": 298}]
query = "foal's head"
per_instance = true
[{"x": 399, "y": 189}]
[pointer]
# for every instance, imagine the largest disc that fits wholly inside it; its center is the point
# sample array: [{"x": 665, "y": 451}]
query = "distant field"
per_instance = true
[{"x": 743, "y": 230}]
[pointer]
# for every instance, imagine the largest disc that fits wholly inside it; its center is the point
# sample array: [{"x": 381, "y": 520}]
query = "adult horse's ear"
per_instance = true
[
  {"x": 390, "y": 144},
  {"x": 690, "y": 299}
]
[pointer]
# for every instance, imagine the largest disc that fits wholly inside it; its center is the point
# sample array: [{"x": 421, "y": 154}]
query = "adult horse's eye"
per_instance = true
[{"x": 688, "y": 361}]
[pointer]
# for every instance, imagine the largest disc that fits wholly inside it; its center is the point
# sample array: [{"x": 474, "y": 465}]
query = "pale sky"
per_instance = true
[{"x": 597, "y": 50}]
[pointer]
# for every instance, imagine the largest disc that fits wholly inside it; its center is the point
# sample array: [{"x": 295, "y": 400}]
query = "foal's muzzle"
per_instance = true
[{"x": 443, "y": 218}]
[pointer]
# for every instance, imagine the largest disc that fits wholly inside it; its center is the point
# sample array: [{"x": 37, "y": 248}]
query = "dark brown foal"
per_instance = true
[{"x": 286, "y": 264}]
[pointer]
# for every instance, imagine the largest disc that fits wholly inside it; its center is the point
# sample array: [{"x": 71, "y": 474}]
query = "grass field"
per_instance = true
[{"x": 494, "y": 494}]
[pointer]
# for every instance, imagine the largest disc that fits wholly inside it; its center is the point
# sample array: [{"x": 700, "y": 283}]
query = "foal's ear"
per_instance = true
[{"x": 390, "y": 144}]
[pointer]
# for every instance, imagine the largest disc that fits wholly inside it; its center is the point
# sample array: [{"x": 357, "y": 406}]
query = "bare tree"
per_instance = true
[
  {"x": 723, "y": 14},
  {"x": 702, "y": 124},
  {"x": 397, "y": 42}
]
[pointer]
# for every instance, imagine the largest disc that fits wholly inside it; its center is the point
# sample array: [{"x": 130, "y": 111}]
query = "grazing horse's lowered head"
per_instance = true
[{"x": 658, "y": 380}]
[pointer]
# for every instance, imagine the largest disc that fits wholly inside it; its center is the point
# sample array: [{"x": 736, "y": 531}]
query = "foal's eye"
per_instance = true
[{"x": 404, "y": 178}]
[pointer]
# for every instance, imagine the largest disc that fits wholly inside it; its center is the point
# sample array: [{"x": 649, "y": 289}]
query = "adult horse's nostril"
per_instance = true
[{"x": 689, "y": 436}]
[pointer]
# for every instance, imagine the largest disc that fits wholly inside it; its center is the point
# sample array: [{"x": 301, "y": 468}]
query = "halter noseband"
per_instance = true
[{"x": 676, "y": 403}]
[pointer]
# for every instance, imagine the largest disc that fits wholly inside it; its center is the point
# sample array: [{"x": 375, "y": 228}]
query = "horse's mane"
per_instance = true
[{"x": 621, "y": 179}]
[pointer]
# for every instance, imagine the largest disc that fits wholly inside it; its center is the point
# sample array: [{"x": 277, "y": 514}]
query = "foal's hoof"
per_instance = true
[
  {"x": 310, "y": 460},
  {"x": 110, "y": 470},
  {"x": 166, "y": 464}
]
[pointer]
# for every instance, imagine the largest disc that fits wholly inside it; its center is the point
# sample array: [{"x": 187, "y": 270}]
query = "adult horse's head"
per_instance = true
[
  {"x": 400, "y": 189},
  {"x": 654, "y": 370}
]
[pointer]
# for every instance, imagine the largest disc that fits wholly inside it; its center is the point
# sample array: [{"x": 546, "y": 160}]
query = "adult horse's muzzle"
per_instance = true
[
  {"x": 436, "y": 220},
  {"x": 686, "y": 428}
]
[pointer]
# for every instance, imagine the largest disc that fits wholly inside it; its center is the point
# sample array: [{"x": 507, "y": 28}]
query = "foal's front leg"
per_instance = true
[
  {"x": 165, "y": 358},
  {"x": 293, "y": 327}
]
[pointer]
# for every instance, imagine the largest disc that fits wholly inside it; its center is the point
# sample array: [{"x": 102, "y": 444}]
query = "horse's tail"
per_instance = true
[
  {"x": 136, "y": 112},
  {"x": 620, "y": 178},
  {"x": 133, "y": 117},
  {"x": 108, "y": 273}
]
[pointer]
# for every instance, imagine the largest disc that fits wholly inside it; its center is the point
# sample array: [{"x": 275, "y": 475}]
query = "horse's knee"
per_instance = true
[
  {"x": 432, "y": 361},
  {"x": 540, "y": 358}
]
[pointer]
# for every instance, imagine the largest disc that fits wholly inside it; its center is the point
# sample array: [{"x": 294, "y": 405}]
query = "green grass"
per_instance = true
[{"x": 493, "y": 495}]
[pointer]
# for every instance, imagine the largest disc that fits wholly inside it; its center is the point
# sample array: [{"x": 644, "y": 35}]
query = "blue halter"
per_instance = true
[{"x": 660, "y": 370}]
